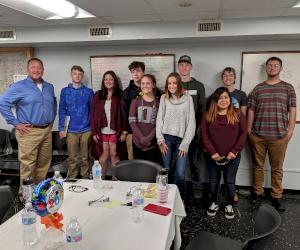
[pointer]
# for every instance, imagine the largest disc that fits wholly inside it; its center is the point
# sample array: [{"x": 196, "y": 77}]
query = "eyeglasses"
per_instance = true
[
  {"x": 223, "y": 161},
  {"x": 276, "y": 66},
  {"x": 77, "y": 189}
]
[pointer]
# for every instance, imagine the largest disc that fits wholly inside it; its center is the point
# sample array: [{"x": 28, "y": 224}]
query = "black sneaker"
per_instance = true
[
  {"x": 229, "y": 212},
  {"x": 255, "y": 198},
  {"x": 278, "y": 205},
  {"x": 213, "y": 209}
]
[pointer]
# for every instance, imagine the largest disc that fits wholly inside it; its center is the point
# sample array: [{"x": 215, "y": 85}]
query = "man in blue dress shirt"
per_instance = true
[{"x": 35, "y": 105}]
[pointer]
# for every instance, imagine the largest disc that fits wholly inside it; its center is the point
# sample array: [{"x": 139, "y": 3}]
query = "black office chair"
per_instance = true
[
  {"x": 136, "y": 171},
  {"x": 13, "y": 140},
  {"x": 5, "y": 147},
  {"x": 58, "y": 144},
  {"x": 59, "y": 149},
  {"x": 267, "y": 221},
  {"x": 6, "y": 200}
]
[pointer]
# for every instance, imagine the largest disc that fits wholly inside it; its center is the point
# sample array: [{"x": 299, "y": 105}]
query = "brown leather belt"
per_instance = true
[{"x": 39, "y": 126}]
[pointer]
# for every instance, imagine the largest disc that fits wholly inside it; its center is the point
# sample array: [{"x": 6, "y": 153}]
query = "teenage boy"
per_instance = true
[
  {"x": 137, "y": 70},
  {"x": 75, "y": 102},
  {"x": 238, "y": 97},
  {"x": 197, "y": 91},
  {"x": 271, "y": 122}
]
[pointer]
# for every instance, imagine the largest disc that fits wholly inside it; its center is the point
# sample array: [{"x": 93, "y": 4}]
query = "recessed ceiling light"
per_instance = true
[{"x": 184, "y": 3}]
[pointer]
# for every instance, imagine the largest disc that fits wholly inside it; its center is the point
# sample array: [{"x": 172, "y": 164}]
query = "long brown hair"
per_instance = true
[
  {"x": 116, "y": 89},
  {"x": 153, "y": 80},
  {"x": 232, "y": 112},
  {"x": 178, "y": 83}
]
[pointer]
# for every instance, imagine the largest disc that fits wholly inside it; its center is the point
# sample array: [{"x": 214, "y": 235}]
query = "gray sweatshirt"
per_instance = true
[{"x": 176, "y": 117}]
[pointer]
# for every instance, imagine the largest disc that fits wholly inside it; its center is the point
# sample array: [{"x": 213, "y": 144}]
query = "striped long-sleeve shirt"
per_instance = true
[{"x": 271, "y": 103}]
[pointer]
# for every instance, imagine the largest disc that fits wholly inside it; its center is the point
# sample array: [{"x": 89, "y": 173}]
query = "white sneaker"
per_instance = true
[
  {"x": 229, "y": 212},
  {"x": 213, "y": 209}
]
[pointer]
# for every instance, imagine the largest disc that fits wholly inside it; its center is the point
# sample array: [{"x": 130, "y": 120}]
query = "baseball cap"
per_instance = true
[{"x": 185, "y": 58}]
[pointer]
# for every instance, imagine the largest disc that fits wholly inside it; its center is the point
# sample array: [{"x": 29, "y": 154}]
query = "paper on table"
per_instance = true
[
  {"x": 113, "y": 204},
  {"x": 66, "y": 124}
]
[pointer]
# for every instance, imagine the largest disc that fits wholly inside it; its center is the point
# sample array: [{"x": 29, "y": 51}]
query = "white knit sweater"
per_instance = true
[{"x": 176, "y": 117}]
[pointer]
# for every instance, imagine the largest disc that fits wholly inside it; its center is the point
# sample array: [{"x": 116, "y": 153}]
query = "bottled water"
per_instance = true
[
  {"x": 30, "y": 235},
  {"x": 57, "y": 176},
  {"x": 162, "y": 188},
  {"x": 97, "y": 171},
  {"x": 74, "y": 234},
  {"x": 28, "y": 186},
  {"x": 138, "y": 204}
]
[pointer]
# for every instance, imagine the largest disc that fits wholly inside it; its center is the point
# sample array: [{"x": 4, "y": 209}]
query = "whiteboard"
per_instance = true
[
  {"x": 160, "y": 65},
  {"x": 253, "y": 70}
]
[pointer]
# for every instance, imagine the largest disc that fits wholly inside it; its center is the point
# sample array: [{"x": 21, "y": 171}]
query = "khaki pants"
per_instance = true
[
  {"x": 129, "y": 147},
  {"x": 35, "y": 154},
  {"x": 276, "y": 151},
  {"x": 78, "y": 143}
]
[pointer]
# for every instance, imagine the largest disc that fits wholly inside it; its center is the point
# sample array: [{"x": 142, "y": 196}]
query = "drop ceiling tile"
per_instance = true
[
  {"x": 193, "y": 16},
  {"x": 251, "y": 13},
  {"x": 256, "y": 4}
]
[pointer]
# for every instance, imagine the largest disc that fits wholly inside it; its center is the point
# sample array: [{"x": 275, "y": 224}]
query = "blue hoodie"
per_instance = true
[{"x": 77, "y": 104}]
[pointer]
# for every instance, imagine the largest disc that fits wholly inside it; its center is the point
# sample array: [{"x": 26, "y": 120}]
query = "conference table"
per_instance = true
[{"x": 108, "y": 225}]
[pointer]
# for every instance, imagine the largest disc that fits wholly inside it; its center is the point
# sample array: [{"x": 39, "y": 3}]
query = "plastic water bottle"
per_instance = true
[
  {"x": 138, "y": 204},
  {"x": 162, "y": 188},
  {"x": 30, "y": 235},
  {"x": 74, "y": 234},
  {"x": 57, "y": 176},
  {"x": 97, "y": 171},
  {"x": 28, "y": 186}
]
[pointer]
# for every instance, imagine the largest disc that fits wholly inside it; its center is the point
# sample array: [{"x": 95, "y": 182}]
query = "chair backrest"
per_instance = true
[
  {"x": 136, "y": 171},
  {"x": 5, "y": 147},
  {"x": 7, "y": 200},
  {"x": 13, "y": 139},
  {"x": 58, "y": 144},
  {"x": 267, "y": 221}
]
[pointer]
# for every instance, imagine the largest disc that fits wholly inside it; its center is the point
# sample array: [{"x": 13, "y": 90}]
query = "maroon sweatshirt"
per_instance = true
[
  {"x": 222, "y": 137},
  {"x": 142, "y": 119}
]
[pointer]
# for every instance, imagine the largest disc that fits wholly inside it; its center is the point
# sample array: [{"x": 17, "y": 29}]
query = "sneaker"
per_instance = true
[
  {"x": 213, "y": 209},
  {"x": 198, "y": 193},
  {"x": 256, "y": 198},
  {"x": 229, "y": 212},
  {"x": 278, "y": 205}
]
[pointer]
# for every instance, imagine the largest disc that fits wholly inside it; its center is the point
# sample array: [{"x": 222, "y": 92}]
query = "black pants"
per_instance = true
[{"x": 152, "y": 154}]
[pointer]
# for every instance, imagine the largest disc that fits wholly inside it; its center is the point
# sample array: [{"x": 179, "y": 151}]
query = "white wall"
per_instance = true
[{"x": 208, "y": 60}]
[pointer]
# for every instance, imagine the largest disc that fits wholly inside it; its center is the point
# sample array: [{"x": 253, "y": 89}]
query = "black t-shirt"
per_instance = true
[{"x": 238, "y": 99}]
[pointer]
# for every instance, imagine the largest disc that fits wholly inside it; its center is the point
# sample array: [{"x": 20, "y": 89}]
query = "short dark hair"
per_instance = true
[
  {"x": 34, "y": 59},
  {"x": 136, "y": 64},
  {"x": 77, "y": 67},
  {"x": 230, "y": 70},
  {"x": 178, "y": 83},
  {"x": 274, "y": 58}
]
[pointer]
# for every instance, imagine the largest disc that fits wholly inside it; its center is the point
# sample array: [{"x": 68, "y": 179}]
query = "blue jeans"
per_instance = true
[
  {"x": 229, "y": 174},
  {"x": 173, "y": 143}
]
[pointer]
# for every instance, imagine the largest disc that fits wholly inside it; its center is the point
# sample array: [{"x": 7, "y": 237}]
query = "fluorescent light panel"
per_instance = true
[
  {"x": 47, "y": 9},
  {"x": 297, "y": 5},
  {"x": 59, "y": 7}
]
